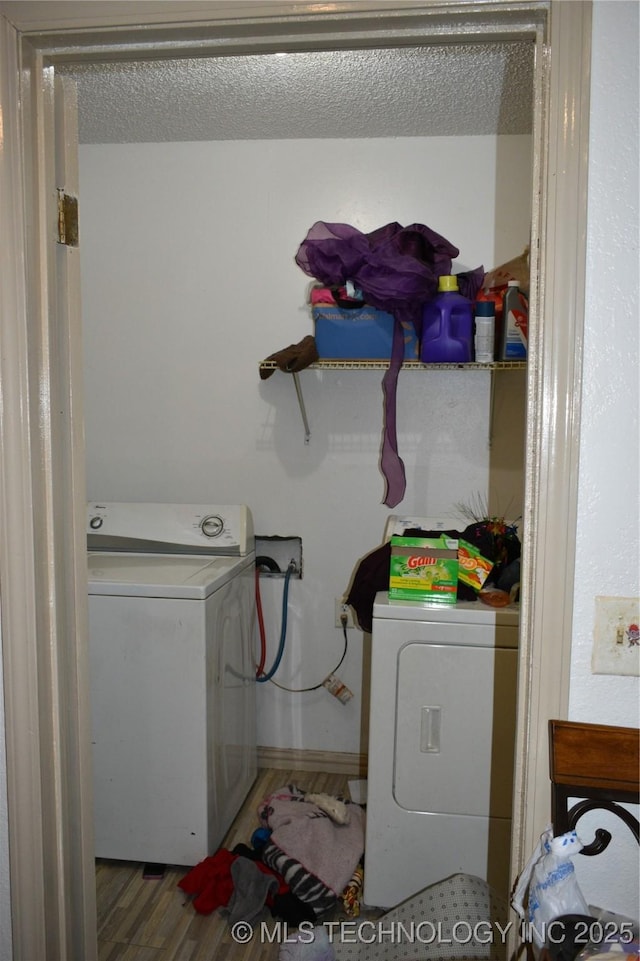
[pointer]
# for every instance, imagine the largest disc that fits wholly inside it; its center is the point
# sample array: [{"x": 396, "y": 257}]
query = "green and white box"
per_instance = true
[{"x": 424, "y": 569}]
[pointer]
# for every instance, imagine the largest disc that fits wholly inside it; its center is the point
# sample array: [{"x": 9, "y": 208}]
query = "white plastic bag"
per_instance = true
[{"x": 549, "y": 885}]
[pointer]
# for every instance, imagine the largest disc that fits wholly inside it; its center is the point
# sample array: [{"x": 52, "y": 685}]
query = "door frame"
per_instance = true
[{"x": 42, "y": 551}]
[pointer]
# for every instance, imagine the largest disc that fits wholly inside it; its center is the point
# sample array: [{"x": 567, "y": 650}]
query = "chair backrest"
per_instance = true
[{"x": 598, "y": 764}]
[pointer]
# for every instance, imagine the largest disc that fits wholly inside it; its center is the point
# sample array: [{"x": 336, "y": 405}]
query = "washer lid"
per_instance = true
[{"x": 160, "y": 575}]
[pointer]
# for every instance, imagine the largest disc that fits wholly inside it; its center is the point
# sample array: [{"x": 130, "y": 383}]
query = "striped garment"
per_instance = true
[
  {"x": 313, "y": 854},
  {"x": 304, "y": 885}
]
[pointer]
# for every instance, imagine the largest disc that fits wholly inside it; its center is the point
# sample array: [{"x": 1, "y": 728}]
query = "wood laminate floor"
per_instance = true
[{"x": 152, "y": 920}]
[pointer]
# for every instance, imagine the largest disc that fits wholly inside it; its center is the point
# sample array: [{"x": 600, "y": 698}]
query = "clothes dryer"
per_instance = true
[
  {"x": 441, "y": 746},
  {"x": 171, "y": 631}
]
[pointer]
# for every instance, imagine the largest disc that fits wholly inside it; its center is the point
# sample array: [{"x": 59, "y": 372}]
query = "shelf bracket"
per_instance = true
[
  {"x": 492, "y": 389},
  {"x": 303, "y": 412}
]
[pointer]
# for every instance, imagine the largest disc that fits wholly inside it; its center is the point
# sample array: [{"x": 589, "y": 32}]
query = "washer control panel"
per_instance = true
[
  {"x": 212, "y": 525},
  {"x": 170, "y": 528}
]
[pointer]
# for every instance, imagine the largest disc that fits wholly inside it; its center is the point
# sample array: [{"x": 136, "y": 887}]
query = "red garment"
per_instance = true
[{"x": 211, "y": 882}]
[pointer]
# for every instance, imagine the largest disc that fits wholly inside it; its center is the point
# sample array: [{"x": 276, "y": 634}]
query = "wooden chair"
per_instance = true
[{"x": 598, "y": 764}]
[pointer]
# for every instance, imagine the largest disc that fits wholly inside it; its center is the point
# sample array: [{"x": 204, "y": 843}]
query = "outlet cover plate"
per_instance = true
[
  {"x": 342, "y": 608},
  {"x": 616, "y": 641}
]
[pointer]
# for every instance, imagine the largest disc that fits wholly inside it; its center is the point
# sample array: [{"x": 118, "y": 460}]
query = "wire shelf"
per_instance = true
[{"x": 338, "y": 364}]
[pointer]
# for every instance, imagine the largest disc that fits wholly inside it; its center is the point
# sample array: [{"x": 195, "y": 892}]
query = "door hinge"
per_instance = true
[{"x": 67, "y": 219}]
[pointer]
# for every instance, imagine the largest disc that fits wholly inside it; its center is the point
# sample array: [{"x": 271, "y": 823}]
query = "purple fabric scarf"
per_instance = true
[{"x": 397, "y": 270}]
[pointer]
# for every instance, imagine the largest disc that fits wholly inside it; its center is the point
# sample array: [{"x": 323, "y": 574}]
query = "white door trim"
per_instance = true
[
  {"x": 42, "y": 515},
  {"x": 18, "y": 607},
  {"x": 42, "y": 567},
  {"x": 553, "y": 419}
]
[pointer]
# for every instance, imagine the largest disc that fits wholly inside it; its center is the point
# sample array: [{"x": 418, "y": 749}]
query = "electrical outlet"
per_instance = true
[
  {"x": 341, "y": 610},
  {"x": 616, "y": 636}
]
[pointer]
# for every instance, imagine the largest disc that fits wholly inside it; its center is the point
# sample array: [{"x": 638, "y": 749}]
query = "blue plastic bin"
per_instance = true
[{"x": 365, "y": 333}]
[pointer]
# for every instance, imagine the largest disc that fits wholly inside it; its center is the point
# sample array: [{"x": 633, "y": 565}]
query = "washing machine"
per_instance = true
[
  {"x": 172, "y": 676},
  {"x": 441, "y": 745}
]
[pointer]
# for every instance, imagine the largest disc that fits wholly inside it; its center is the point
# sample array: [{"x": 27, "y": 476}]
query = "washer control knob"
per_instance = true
[
  {"x": 95, "y": 523},
  {"x": 212, "y": 525}
]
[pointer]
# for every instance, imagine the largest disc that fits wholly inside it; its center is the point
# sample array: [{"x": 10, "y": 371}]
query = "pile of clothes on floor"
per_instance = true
[{"x": 305, "y": 857}]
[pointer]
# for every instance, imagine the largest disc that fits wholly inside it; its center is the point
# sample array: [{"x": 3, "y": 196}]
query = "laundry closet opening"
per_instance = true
[{"x": 198, "y": 180}]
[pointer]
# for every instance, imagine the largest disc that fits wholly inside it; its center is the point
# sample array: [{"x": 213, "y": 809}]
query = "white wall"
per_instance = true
[
  {"x": 189, "y": 280},
  {"x": 608, "y": 534}
]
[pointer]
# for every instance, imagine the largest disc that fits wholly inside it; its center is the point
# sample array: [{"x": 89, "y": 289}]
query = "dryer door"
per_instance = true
[{"x": 454, "y": 729}]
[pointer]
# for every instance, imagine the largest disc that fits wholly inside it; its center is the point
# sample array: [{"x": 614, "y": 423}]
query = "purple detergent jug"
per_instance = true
[{"x": 447, "y": 326}]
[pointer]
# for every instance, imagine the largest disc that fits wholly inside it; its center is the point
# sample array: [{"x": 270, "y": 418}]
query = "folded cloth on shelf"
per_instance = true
[{"x": 293, "y": 358}]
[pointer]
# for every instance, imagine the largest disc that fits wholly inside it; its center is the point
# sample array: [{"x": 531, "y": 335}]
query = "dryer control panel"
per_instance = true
[
  {"x": 397, "y": 525},
  {"x": 170, "y": 528}
]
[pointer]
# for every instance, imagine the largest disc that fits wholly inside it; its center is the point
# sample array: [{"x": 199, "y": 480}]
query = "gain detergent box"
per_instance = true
[
  {"x": 424, "y": 569},
  {"x": 474, "y": 568}
]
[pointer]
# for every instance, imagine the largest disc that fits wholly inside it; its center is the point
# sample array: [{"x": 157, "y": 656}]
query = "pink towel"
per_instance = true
[{"x": 328, "y": 851}]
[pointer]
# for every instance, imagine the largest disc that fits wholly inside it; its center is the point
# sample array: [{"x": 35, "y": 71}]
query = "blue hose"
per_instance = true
[{"x": 283, "y": 631}]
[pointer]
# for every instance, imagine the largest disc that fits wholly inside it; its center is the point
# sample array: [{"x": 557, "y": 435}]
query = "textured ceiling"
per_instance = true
[{"x": 443, "y": 90}]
